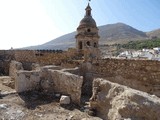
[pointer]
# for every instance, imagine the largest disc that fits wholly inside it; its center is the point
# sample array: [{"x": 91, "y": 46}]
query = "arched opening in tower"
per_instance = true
[
  {"x": 95, "y": 44},
  {"x": 88, "y": 30},
  {"x": 80, "y": 45},
  {"x": 88, "y": 43}
]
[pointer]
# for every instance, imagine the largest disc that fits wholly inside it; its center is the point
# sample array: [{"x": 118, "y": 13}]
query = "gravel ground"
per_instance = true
[{"x": 37, "y": 106}]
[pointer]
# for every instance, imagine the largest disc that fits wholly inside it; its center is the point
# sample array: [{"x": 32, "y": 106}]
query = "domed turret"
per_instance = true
[
  {"x": 87, "y": 20},
  {"x": 87, "y": 35},
  {"x": 87, "y": 31}
]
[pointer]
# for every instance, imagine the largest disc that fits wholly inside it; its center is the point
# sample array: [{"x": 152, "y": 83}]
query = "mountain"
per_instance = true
[
  {"x": 118, "y": 33},
  {"x": 154, "y": 33},
  {"x": 109, "y": 34},
  {"x": 64, "y": 42}
]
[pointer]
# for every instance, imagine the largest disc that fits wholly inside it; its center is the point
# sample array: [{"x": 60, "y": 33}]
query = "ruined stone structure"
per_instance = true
[
  {"x": 87, "y": 36},
  {"x": 49, "y": 79},
  {"x": 5, "y": 58},
  {"x": 117, "y": 102},
  {"x": 138, "y": 74},
  {"x": 68, "y": 73}
]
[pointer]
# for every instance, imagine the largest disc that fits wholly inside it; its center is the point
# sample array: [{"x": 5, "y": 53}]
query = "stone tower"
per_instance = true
[{"x": 87, "y": 36}]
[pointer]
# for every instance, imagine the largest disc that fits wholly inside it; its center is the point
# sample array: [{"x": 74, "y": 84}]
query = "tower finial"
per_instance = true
[
  {"x": 89, "y": 1},
  {"x": 88, "y": 10}
]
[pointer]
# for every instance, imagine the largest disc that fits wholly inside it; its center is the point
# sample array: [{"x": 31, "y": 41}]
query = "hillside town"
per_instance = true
[{"x": 144, "y": 54}]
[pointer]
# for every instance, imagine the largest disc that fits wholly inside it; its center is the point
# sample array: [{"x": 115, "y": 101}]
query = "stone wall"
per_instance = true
[
  {"x": 42, "y": 57},
  {"x": 67, "y": 83},
  {"x": 86, "y": 71},
  {"x": 139, "y": 74},
  {"x": 25, "y": 55},
  {"x": 5, "y": 57},
  {"x": 48, "y": 79},
  {"x": 143, "y": 75},
  {"x": 112, "y": 101},
  {"x": 14, "y": 68},
  {"x": 27, "y": 81}
]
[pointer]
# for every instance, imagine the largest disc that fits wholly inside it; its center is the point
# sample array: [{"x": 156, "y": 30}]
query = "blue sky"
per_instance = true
[{"x": 32, "y": 22}]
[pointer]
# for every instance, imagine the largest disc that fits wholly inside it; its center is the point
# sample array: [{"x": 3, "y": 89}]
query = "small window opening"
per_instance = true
[
  {"x": 95, "y": 45},
  {"x": 88, "y": 30},
  {"x": 88, "y": 43},
  {"x": 80, "y": 45}
]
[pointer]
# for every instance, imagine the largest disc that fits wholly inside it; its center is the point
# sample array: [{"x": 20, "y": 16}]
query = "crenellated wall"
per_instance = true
[
  {"x": 41, "y": 57},
  {"x": 143, "y": 75},
  {"x": 44, "y": 57}
]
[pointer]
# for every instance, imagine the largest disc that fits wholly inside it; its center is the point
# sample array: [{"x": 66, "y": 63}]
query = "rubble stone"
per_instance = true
[
  {"x": 65, "y": 100},
  {"x": 95, "y": 118},
  {"x": 35, "y": 66},
  {"x": 8, "y": 81},
  {"x": 14, "y": 67},
  {"x": 3, "y": 106},
  {"x": 113, "y": 101}
]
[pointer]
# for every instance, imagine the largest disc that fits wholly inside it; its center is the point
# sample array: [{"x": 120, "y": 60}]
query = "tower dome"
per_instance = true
[{"x": 87, "y": 21}]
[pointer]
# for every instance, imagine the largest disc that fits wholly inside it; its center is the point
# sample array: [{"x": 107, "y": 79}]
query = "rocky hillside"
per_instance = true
[
  {"x": 154, "y": 33},
  {"x": 109, "y": 34},
  {"x": 118, "y": 33}
]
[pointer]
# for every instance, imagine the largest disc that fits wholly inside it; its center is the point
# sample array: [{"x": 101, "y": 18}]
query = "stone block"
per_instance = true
[
  {"x": 27, "y": 80},
  {"x": 65, "y": 100}
]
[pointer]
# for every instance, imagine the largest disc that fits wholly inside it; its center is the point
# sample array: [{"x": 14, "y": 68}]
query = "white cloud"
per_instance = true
[{"x": 25, "y": 23}]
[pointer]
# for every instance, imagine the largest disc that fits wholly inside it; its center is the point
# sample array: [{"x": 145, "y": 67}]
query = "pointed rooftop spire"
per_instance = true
[{"x": 88, "y": 10}]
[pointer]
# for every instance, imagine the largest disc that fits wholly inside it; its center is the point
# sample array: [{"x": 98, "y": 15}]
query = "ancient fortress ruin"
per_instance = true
[{"x": 117, "y": 89}]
